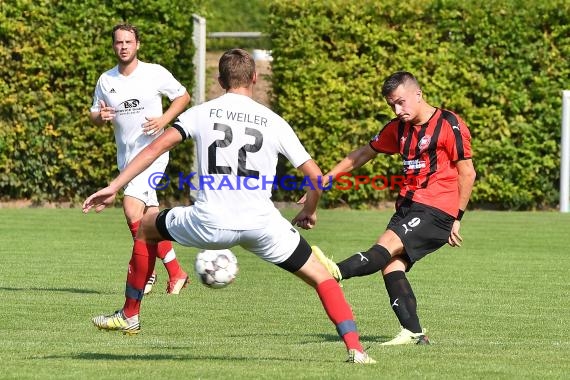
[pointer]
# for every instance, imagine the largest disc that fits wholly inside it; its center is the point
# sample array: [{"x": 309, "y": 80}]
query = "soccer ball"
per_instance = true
[{"x": 216, "y": 268}]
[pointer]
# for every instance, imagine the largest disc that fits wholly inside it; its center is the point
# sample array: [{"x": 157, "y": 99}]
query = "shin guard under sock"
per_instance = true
[
  {"x": 141, "y": 267},
  {"x": 365, "y": 263},
  {"x": 339, "y": 313},
  {"x": 403, "y": 300}
]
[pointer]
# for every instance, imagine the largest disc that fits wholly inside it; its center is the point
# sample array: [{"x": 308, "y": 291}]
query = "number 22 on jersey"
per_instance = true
[{"x": 242, "y": 152}]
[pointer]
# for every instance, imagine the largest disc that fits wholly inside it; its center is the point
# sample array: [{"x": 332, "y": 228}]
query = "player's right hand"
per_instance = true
[
  {"x": 99, "y": 200},
  {"x": 107, "y": 113},
  {"x": 305, "y": 220}
]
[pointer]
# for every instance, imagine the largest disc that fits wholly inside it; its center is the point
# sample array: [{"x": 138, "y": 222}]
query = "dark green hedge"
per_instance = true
[
  {"x": 51, "y": 54},
  {"x": 501, "y": 65}
]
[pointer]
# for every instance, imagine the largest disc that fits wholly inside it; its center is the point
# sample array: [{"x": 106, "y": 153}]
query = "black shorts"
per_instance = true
[{"x": 422, "y": 229}]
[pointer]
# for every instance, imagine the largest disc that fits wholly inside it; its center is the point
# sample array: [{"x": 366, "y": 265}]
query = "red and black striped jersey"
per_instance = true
[{"x": 429, "y": 153}]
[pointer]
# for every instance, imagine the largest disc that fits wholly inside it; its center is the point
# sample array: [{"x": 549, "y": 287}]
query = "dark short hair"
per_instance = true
[
  {"x": 236, "y": 68},
  {"x": 393, "y": 81},
  {"x": 128, "y": 28}
]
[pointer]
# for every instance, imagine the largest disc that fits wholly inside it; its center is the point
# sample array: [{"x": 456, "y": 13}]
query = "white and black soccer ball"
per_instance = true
[{"x": 216, "y": 268}]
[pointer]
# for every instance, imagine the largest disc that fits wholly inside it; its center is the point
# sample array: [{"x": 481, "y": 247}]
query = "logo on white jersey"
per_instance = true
[
  {"x": 131, "y": 103},
  {"x": 112, "y": 91}
]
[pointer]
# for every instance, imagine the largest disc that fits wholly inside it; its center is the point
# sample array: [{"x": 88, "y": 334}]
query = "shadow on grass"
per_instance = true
[
  {"x": 62, "y": 290},
  {"x": 158, "y": 357},
  {"x": 365, "y": 339},
  {"x": 316, "y": 338}
]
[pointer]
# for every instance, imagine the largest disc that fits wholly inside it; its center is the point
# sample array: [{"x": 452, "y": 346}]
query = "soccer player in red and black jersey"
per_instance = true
[{"x": 435, "y": 147}]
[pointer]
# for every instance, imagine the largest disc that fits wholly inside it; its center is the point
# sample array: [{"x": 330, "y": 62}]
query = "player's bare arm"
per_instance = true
[
  {"x": 466, "y": 179},
  {"x": 307, "y": 217},
  {"x": 354, "y": 160},
  {"x": 154, "y": 125},
  {"x": 143, "y": 160}
]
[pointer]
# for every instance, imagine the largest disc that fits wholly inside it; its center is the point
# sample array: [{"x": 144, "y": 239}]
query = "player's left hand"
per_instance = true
[
  {"x": 305, "y": 220},
  {"x": 152, "y": 126},
  {"x": 454, "y": 238},
  {"x": 99, "y": 200}
]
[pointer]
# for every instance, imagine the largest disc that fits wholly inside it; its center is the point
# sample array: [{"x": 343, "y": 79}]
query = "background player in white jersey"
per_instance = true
[
  {"x": 238, "y": 141},
  {"x": 130, "y": 96}
]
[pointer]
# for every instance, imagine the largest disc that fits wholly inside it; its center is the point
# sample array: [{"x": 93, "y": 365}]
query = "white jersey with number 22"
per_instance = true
[{"x": 238, "y": 142}]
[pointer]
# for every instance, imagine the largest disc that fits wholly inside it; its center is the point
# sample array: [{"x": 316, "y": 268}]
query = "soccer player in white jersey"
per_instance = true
[
  {"x": 130, "y": 97},
  {"x": 238, "y": 141}
]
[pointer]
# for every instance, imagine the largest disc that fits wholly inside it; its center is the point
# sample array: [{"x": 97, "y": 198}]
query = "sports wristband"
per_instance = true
[{"x": 460, "y": 214}]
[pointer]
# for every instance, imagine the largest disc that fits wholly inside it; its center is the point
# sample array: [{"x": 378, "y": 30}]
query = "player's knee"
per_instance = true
[
  {"x": 153, "y": 226},
  {"x": 392, "y": 242},
  {"x": 397, "y": 264}
]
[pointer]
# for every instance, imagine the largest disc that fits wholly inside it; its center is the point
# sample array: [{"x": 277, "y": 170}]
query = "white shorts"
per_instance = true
[
  {"x": 274, "y": 243},
  {"x": 144, "y": 186}
]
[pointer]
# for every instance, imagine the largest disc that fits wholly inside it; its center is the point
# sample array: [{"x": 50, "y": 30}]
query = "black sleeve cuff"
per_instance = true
[
  {"x": 460, "y": 214},
  {"x": 180, "y": 130}
]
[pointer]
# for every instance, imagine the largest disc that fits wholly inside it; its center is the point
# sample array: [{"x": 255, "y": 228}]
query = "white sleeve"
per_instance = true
[
  {"x": 97, "y": 95},
  {"x": 291, "y": 146},
  {"x": 169, "y": 86},
  {"x": 186, "y": 122}
]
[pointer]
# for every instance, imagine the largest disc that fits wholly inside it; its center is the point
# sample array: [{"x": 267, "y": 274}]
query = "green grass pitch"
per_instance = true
[{"x": 497, "y": 308}]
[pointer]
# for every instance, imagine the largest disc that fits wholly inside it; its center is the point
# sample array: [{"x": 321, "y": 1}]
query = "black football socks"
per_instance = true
[
  {"x": 403, "y": 300},
  {"x": 365, "y": 263}
]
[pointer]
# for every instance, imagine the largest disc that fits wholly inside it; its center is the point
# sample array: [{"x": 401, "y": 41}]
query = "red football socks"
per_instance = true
[
  {"x": 166, "y": 254},
  {"x": 140, "y": 269},
  {"x": 339, "y": 312},
  {"x": 134, "y": 227}
]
